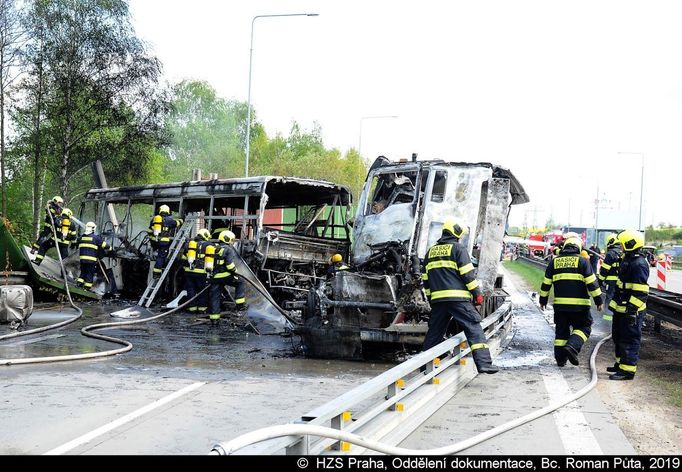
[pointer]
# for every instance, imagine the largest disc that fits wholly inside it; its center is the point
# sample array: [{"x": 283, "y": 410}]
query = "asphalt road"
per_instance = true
[{"x": 186, "y": 386}]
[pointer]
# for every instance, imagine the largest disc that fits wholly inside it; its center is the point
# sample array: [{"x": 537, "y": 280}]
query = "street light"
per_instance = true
[
  {"x": 641, "y": 185},
  {"x": 370, "y": 118},
  {"x": 248, "y": 112}
]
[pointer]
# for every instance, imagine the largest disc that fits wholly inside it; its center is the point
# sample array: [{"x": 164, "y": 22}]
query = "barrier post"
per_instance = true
[{"x": 660, "y": 274}]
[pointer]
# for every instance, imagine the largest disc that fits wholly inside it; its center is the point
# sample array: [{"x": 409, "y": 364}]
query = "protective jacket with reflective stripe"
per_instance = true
[
  {"x": 197, "y": 265},
  {"x": 573, "y": 281},
  {"x": 91, "y": 247},
  {"x": 632, "y": 286},
  {"x": 609, "y": 268},
  {"x": 225, "y": 266},
  {"x": 168, "y": 227},
  {"x": 448, "y": 273}
]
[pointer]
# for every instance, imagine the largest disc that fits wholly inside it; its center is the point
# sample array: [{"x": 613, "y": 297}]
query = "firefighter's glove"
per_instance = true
[
  {"x": 479, "y": 300},
  {"x": 631, "y": 313},
  {"x": 632, "y": 318}
]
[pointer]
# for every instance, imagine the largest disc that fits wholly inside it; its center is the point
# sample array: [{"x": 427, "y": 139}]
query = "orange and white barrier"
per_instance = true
[
  {"x": 660, "y": 274},
  {"x": 669, "y": 262}
]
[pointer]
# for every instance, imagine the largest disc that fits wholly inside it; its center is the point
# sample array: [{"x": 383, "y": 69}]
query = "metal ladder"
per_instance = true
[{"x": 176, "y": 246}]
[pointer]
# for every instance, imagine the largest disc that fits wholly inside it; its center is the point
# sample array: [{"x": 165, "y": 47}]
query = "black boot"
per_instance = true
[
  {"x": 622, "y": 376},
  {"x": 488, "y": 369},
  {"x": 612, "y": 369},
  {"x": 572, "y": 355}
]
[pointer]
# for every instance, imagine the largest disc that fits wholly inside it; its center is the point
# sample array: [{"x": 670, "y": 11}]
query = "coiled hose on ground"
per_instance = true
[{"x": 326, "y": 432}]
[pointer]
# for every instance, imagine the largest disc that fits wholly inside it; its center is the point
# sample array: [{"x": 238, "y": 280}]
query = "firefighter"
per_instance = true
[
  {"x": 52, "y": 212},
  {"x": 162, "y": 228},
  {"x": 608, "y": 273},
  {"x": 574, "y": 283},
  {"x": 629, "y": 305},
  {"x": 195, "y": 272},
  {"x": 336, "y": 265},
  {"x": 223, "y": 272},
  {"x": 450, "y": 286},
  {"x": 91, "y": 248},
  {"x": 66, "y": 235}
]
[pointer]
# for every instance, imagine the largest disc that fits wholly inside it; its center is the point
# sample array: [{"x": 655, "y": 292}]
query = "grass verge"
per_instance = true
[
  {"x": 532, "y": 276},
  {"x": 673, "y": 389}
]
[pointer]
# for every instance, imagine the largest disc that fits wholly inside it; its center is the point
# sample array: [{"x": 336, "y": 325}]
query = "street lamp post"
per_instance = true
[
  {"x": 248, "y": 112},
  {"x": 370, "y": 118},
  {"x": 641, "y": 185}
]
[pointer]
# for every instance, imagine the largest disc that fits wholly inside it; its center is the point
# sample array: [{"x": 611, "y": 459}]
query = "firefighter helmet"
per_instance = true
[
  {"x": 454, "y": 227},
  {"x": 227, "y": 237},
  {"x": 90, "y": 227},
  {"x": 204, "y": 233},
  {"x": 336, "y": 258},
  {"x": 67, "y": 212},
  {"x": 631, "y": 239},
  {"x": 611, "y": 240},
  {"x": 573, "y": 241},
  {"x": 164, "y": 209},
  {"x": 57, "y": 200}
]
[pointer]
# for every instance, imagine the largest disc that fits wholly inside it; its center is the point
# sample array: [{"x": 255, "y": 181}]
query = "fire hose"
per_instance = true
[
  {"x": 86, "y": 331},
  {"x": 273, "y": 432}
]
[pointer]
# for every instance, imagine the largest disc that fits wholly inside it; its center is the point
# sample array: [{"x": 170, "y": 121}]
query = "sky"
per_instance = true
[{"x": 579, "y": 99}]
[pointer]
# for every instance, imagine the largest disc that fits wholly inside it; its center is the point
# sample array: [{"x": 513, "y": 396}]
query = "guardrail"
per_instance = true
[
  {"x": 392, "y": 405},
  {"x": 661, "y": 304}
]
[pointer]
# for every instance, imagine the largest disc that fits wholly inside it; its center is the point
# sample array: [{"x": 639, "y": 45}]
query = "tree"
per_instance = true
[
  {"x": 98, "y": 82},
  {"x": 208, "y": 132},
  {"x": 90, "y": 92},
  {"x": 11, "y": 41}
]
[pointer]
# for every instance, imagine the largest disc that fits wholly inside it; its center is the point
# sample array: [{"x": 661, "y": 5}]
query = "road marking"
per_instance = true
[
  {"x": 36, "y": 340},
  {"x": 121, "y": 421},
  {"x": 574, "y": 430}
]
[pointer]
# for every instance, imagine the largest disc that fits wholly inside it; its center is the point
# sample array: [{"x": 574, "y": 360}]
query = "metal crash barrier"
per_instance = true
[{"x": 389, "y": 407}]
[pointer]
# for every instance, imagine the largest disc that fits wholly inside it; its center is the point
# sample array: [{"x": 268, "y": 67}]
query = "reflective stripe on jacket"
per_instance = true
[
  {"x": 91, "y": 247},
  {"x": 573, "y": 281},
  {"x": 609, "y": 267},
  {"x": 225, "y": 266},
  {"x": 632, "y": 286},
  {"x": 448, "y": 274}
]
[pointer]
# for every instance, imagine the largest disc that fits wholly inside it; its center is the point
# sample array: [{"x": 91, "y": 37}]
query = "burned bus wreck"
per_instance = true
[
  {"x": 287, "y": 230},
  {"x": 379, "y": 302}
]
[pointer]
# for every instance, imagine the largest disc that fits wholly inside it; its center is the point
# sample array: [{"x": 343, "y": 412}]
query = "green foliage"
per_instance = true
[
  {"x": 208, "y": 132},
  {"x": 530, "y": 275},
  {"x": 663, "y": 234}
]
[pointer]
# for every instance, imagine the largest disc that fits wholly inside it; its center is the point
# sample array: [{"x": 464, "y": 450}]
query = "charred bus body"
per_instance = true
[
  {"x": 287, "y": 228},
  {"x": 400, "y": 214}
]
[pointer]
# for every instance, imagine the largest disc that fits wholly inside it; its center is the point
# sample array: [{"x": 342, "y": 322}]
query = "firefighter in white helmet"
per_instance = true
[
  {"x": 570, "y": 273},
  {"x": 91, "y": 248}
]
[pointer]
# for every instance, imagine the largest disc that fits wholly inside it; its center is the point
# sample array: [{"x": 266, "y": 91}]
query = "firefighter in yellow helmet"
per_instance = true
[
  {"x": 224, "y": 272},
  {"x": 336, "y": 264},
  {"x": 195, "y": 271},
  {"x": 161, "y": 231},
  {"x": 629, "y": 305},
  {"x": 608, "y": 273},
  {"x": 574, "y": 283},
  {"x": 65, "y": 236},
  {"x": 451, "y": 287},
  {"x": 53, "y": 211}
]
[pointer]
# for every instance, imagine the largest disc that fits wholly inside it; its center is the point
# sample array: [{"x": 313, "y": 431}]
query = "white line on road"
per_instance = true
[
  {"x": 121, "y": 421},
  {"x": 574, "y": 430}
]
